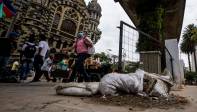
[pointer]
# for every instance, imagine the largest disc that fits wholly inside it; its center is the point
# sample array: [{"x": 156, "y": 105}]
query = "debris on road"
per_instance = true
[{"x": 135, "y": 101}]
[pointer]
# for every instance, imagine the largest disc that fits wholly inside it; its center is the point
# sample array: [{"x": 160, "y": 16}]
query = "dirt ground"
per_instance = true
[{"x": 41, "y": 97}]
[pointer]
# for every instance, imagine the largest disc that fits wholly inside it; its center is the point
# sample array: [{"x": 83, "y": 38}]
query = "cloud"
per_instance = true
[{"x": 112, "y": 13}]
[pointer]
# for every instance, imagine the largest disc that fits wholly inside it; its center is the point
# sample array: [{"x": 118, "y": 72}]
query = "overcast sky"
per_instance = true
[{"x": 112, "y": 13}]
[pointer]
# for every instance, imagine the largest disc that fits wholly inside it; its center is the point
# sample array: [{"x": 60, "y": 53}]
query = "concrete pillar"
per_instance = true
[
  {"x": 192, "y": 60},
  {"x": 151, "y": 61},
  {"x": 172, "y": 46}
]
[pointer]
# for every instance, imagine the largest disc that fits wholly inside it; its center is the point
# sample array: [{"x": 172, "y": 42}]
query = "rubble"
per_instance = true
[{"x": 135, "y": 101}]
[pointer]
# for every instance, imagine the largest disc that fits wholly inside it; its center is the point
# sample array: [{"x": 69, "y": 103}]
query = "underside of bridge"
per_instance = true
[{"x": 173, "y": 17}]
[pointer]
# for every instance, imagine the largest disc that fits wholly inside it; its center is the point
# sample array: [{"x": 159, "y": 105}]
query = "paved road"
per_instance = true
[{"x": 41, "y": 97}]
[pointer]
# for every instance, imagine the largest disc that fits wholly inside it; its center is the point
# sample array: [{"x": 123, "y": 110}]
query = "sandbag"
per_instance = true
[
  {"x": 113, "y": 83},
  {"x": 140, "y": 82},
  {"x": 78, "y": 89},
  {"x": 160, "y": 89},
  {"x": 163, "y": 84}
]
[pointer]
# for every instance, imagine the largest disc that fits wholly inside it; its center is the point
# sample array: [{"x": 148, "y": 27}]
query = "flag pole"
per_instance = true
[{"x": 11, "y": 26}]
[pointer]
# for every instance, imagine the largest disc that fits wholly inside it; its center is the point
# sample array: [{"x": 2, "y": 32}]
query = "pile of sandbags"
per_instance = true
[{"x": 140, "y": 82}]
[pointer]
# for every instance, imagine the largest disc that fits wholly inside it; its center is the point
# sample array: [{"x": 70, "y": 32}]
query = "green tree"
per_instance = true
[
  {"x": 103, "y": 57},
  {"x": 151, "y": 15},
  {"x": 189, "y": 42}
]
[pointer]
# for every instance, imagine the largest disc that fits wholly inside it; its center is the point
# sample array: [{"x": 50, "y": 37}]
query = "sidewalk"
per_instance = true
[{"x": 41, "y": 97}]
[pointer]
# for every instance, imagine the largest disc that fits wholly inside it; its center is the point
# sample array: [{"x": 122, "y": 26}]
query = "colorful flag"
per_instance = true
[
  {"x": 6, "y": 9},
  {"x": 8, "y": 4},
  {"x": 1, "y": 10}
]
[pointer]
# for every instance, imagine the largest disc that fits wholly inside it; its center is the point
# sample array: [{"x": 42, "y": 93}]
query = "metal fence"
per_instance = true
[{"x": 127, "y": 45}]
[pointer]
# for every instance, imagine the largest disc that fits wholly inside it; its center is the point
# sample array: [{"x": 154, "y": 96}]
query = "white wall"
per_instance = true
[{"x": 172, "y": 46}]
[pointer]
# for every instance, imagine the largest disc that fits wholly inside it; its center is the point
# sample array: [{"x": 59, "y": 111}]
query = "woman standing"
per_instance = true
[{"x": 81, "y": 45}]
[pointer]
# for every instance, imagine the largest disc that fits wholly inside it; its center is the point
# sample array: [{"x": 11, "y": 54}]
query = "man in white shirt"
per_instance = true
[
  {"x": 43, "y": 48},
  {"x": 39, "y": 58}
]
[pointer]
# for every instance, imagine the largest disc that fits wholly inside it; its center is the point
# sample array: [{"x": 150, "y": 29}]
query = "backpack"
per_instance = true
[
  {"x": 91, "y": 48},
  {"x": 29, "y": 51}
]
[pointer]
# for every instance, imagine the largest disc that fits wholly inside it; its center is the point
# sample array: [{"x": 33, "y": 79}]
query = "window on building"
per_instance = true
[
  {"x": 71, "y": 14},
  {"x": 58, "y": 45},
  {"x": 68, "y": 26},
  {"x": 50, "y": 41},
  {"x": 65, "y": 44}
]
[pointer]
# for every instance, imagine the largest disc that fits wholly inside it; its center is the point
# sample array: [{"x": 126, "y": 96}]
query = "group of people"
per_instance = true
[{"x": 38, "y": 58}]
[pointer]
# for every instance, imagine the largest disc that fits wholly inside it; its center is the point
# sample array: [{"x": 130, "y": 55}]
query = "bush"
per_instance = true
[{"x": 191, "y": 77}]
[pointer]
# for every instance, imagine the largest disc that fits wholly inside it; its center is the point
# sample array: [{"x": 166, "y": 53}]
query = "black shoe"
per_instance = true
[
  {"x": 35, "y": 81},
  {"x": 54, "y": 80}
]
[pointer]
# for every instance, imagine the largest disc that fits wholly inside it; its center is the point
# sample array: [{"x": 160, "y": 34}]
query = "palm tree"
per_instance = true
[{"x": 189, "y": 42}]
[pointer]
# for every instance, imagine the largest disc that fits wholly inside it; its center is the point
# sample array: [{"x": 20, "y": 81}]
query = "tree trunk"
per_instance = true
[
  {"x": 189, "y": 62},
  {"x": 195, "y": 60}
]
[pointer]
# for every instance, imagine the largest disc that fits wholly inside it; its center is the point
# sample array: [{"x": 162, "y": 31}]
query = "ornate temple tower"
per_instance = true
[{"x": 94, "y": 10}]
